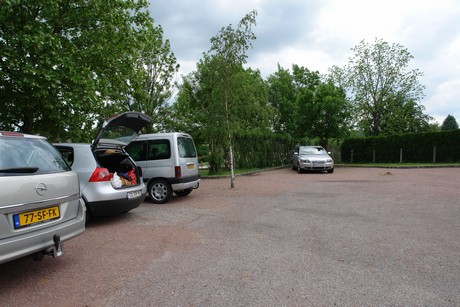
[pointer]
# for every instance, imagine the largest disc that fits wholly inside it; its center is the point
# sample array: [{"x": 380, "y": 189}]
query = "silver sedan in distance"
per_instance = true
[{"x": 312, "y": 158}]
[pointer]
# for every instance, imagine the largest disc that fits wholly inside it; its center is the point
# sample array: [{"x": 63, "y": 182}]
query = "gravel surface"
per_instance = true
[{"x": 359, "y": 236}]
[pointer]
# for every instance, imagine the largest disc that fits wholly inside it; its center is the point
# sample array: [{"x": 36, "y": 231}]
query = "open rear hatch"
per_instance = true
[{"x": 108, "y": 146}]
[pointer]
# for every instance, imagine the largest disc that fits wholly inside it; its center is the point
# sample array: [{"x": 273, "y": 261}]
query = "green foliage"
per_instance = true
[
  {"x": 62, "y": 61},
  {"x": 385, "y": 93},
  {"x": 282, "y": 95},
  {"x": 417, "y": 147},
  {"x": 152, "y": 82},
  {"x": 308, "y": 106},
  {"x": 449, "y": 123}
]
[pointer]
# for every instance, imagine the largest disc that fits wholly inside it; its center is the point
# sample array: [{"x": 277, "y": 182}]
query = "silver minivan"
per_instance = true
[
  {"x": 169, "y": 164},
  {"x": 40, "y": 201}
]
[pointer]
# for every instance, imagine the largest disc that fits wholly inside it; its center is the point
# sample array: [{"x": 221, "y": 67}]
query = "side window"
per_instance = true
[
  {"x": 186, "y": 147},
  {"x": 159, "y": 150},
  {"x": 137, "y": 150},
  {"x": 67, "y": 154}
]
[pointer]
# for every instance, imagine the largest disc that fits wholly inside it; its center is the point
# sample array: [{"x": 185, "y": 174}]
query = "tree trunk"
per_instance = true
[{"x": 232, "y": 177}]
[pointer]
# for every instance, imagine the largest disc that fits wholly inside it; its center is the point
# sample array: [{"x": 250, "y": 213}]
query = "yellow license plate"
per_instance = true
[
  {"x": 35, "y": 217},
  {"x": 191, "y": 166}
]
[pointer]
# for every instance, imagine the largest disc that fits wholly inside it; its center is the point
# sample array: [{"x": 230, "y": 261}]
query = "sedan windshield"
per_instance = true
[{"x": 314, "y": 150}]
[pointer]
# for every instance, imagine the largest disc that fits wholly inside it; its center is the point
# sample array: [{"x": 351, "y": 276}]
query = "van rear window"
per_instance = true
[{"x": 186, "y": 147}]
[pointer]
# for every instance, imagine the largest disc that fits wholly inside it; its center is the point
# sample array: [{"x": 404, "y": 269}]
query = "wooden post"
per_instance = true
[
  {"x": 373, "y": 156},
  {"x": 351, "y": 157},
  {"x": 400, "y": 155},
  {"x": 434, "y": 154}
]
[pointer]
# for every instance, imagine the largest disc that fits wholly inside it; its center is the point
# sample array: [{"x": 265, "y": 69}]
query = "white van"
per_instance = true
[{"x": 169, "y": 163}]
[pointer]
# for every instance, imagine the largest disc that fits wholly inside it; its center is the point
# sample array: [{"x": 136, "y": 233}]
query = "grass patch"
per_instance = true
[{"x": 205, "y": 172}]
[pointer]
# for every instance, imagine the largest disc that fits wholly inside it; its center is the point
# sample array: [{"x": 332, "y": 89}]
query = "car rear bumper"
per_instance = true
[
  {"x": 42, "y": 239},
  {"x": 115, "y": 206}
]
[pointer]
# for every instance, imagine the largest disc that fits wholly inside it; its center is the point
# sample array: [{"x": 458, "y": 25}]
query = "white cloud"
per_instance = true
[{"x": 317, "y": 34}]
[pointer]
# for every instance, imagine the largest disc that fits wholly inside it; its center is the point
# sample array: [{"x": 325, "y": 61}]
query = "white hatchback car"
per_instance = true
[
  {"x": 110, "y": 181},
  {"x": 40, "y": 202}
]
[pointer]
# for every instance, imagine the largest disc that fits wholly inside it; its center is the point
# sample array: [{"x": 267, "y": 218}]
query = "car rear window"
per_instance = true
[{"x": 25, "y": 156}]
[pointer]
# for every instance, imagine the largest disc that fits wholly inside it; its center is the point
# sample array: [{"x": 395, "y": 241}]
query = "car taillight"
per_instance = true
[
  {"x": 178, "y": 171},
  {"x": 100, "y": 174}
]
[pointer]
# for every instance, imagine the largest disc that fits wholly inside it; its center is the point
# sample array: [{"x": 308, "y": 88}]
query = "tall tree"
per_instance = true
[
  {"x": 226, "y": 58},
  {"x": 376, "y": 75},
  {"x": 330, "y": 111},
  {"x": 406, "y": 117},
  {"x": 282, "y": 93},
  {"x": 308, "y": 105},
  {"x": 306, "y": 83},
  {"x": 450, "y": 123},
  {"x": 62, "y": 61},
  {"x": 153, "y": 79}
]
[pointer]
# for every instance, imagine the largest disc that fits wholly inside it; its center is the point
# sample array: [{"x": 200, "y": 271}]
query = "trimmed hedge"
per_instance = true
[
  {"x": 443, "y": 147},
  {"x": 254, "y": 150}
]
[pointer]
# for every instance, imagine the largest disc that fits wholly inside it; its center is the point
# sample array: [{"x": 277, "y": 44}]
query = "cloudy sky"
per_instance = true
[{"x": 318, "y": 34}]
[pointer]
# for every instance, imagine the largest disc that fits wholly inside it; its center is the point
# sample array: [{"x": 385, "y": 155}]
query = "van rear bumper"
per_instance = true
[
  {"x": 185, "y": 186},
  {"x": 184, "y": 183},
  {"x": 181, "y": 183}
]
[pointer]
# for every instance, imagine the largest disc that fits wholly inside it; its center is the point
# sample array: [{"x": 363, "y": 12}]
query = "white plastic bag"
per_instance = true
[{"x": 116, "y": 182}]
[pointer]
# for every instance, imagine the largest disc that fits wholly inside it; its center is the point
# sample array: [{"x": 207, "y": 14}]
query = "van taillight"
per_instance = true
[
  {"x": 178, "y": 171},
  {"x": 100, "y": 174}
]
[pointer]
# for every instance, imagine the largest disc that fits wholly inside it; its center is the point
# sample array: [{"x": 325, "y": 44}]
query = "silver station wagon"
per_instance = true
[{"x": 40, "y": 201}]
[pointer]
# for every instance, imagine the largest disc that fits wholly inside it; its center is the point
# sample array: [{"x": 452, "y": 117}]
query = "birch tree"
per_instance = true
[{"x": 227, "y": 55}]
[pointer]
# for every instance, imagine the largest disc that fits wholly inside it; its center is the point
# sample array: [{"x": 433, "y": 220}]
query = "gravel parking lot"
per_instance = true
[{"x": 359, "y": 236}]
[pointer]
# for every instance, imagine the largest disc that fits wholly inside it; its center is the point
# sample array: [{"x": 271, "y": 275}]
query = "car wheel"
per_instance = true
[
  {"x": 183, "y": 192},
  {"x": 160, "y": 191},
  {"x": 330, "y": 171},
  {"x": 299, "y": 169}
]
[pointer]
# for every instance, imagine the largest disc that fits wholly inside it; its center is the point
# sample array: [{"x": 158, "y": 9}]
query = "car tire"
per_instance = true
[
  {"x": 330, "y": 171},
  {"x": 160, "y": 191},
  {"x": 183, "y": 192},
  {"x": 299, "y": 169}
]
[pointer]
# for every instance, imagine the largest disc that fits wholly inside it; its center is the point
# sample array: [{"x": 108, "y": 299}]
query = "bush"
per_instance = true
[{"x": 443, "y": 146}]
